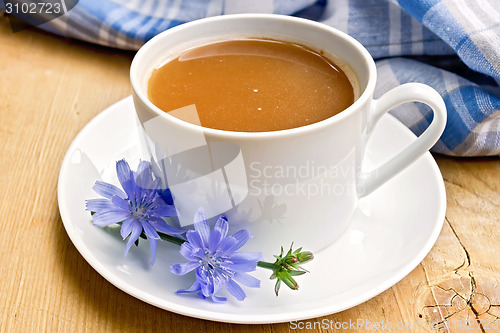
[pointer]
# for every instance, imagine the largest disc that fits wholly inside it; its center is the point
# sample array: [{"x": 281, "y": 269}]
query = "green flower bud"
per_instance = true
[
  {"x": 305, "y": 256},
  {"x": 286, "y": 266},
  {"x": 287, "y": 279}
]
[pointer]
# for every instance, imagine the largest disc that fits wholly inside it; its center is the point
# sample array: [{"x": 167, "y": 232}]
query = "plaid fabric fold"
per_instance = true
[{"x": 451, "y": 45}]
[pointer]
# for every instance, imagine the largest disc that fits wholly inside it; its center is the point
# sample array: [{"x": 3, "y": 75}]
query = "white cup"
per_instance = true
[{"x": 297, "y": 185}]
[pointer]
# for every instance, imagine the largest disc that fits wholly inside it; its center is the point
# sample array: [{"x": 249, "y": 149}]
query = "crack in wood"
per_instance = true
[
  {"x": 487, "y": 198},
  {"x": 471, "y": 304},
  {"x": 443, "y": 322},
  {"x": 451, "y": 302},
  {"x": 455, "y": 183},
  {"x": 467, "y": 259},
  {"x": 443, "y": 319}
]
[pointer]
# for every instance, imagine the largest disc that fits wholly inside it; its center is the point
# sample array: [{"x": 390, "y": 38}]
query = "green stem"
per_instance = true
[
  {"x": 266, "y": 265},
  {"x": 171, "y": 239}
]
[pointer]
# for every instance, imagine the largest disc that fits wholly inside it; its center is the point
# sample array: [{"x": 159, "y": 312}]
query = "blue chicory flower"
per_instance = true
[
  {"x": 216, "y": 261},
  {"x": 140, "y": 206}
]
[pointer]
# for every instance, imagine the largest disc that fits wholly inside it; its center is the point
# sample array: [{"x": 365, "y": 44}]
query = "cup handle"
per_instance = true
[{"x": 409, "y": 92}]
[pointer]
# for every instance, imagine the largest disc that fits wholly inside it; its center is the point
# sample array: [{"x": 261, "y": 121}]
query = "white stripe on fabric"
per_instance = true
[
  {"x": 161, "y": 26},
  {"x": 464, "y": 15},
  {"x": 147, "y": 7},
  {"x": 116, "y": 15},
  {"x": 132, "y": 25},
  {"x": 437, "y": 20},
  {"x": 104, "y": 34},
  {"x": 417, "y": 31},
  {"x": 135, "y": 5},
  {"x": 490, "y": 11},
  {"x": 408, "y": 113},
  {"x": 483, "y": 101},
  {"x": 173, "y": 9},
  {"x": 113, "y": 17},
  {"x": 395, "y": 30},
  {"x": 343, "y": 15},
  {"x": 479, "y": 141},
  {"x": 451, "y": 83},
  {"x": 60, "y": 23},
  {"x": 336, "y": 14},
  {"x": 150, "y": 25},
  {"x": 214, "y": 8},
  {"x": 486, "y": 40},
  {"x": 255, "y": 6},
  {"x": 386, "y": 79},
  {"x": 494, "y": 16},
  {"x": 143, "y": 7},
  {"x": 81, "y": 25},
  {"x": 121, "y": 41},
  {"x": 162, "y": 9}
]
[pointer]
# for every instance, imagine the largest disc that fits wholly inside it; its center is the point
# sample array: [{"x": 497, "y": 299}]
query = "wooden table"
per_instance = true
[{"x": 51, "y": 87}]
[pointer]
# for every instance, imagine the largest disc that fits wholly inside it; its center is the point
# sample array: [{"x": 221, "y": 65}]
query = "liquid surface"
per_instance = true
[{"x": 252, "y": 85}]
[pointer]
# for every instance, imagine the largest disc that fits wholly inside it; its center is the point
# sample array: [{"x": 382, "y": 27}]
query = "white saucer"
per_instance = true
[{"x": 392, "y": 231}]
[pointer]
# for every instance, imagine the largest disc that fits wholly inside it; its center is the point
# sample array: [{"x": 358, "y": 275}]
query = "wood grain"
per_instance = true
[{"x": 51, "y": 87}]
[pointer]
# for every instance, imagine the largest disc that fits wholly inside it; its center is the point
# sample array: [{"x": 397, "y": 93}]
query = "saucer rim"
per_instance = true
[{"x": 286, "y": 316}]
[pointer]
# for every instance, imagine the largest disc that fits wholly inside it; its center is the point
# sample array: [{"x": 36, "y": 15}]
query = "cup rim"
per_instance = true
[{"x": 365, "y": 95}]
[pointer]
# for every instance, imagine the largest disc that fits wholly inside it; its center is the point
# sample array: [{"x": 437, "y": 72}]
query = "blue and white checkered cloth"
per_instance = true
[{"x": 451, "y": 45}]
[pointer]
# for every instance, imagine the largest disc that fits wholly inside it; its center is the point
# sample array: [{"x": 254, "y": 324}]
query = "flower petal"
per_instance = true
[
  {"x": 136, "y": 232},
  {"x": 241, "y": 238},
  {"x": 166, "y": 195},
  {"x": 194, "y": 238},
  {"x": 193, "y": 288},
  {"x": 222, "y": 226},
  {"x": 205, "y": 283},
  {"x": 200, "y": 216},
  {"x": 120, "y": 202},
  {"x": 201, "y": 225},
  {"x": 217, "y": 287},
  {"x": 225, "y": 245},
  {"x": 143, "y": 175},
  {"x": 218, "y": 299},
  {"x": 235, "y": 290},
  {"x": 127, "y": 225},
  {"x": 164, "y": 210},
  {"x": 108, "y": 190},
  {"x": 149, "y": 230},
  {"x": 203, "y": 279},
  {"x": 153, "y": 245},
  {"x": 240, "y": 265},
  {"x": 255, "y": 256},
  {"x": 200, "y": 295},
  {"x": 160, "y": 225},
  {"x": 97, "y": 205},
  {"x": 246, "y": 280},
  {"x": 184, "y": 268},
  {"x": 214, "y": 240},
  {"x": 199, "y": 253},
  {"x": 126, "y": 178},
  {"x": 102, "y": 219},
  {"x": 189, "y": 252}
]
